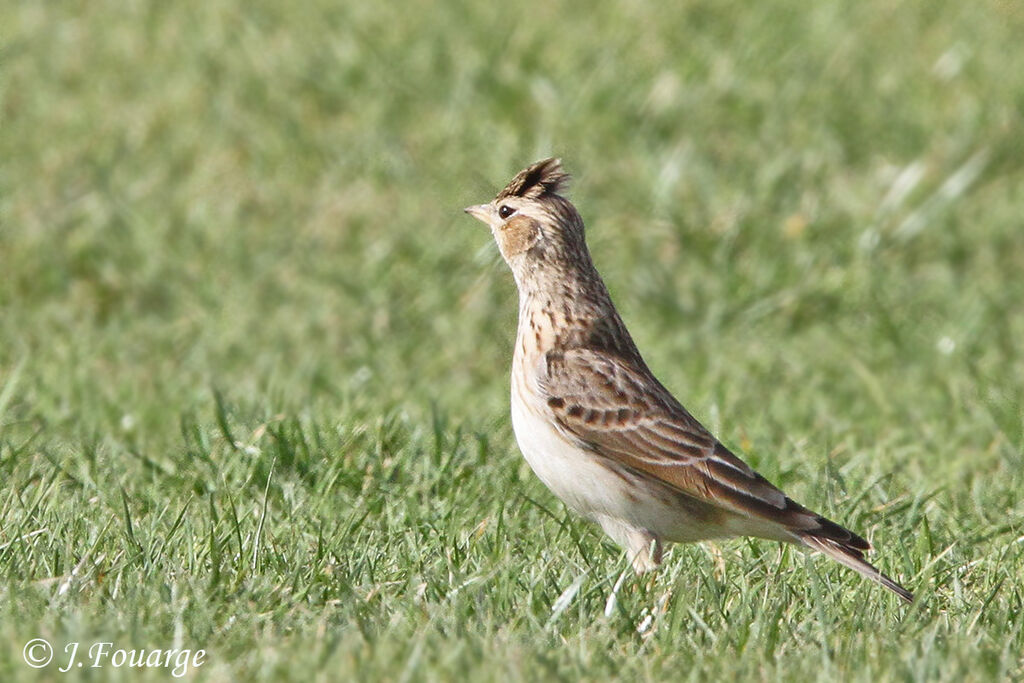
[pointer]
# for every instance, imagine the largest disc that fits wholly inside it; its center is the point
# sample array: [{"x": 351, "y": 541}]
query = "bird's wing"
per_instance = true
[{"x": 617, "y": 409}]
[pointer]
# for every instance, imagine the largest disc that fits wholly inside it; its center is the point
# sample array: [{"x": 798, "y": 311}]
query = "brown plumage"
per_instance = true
[{"x": 597, "y": 426}]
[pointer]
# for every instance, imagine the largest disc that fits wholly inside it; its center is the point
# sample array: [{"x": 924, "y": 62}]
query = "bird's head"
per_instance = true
[{"x": 534, "y": 225}]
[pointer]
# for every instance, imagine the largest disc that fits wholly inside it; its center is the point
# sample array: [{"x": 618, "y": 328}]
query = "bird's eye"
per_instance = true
[{"x": 505, "y": 211}]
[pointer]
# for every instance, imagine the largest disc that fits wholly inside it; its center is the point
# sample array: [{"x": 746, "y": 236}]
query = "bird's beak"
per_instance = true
[{"x": 479, "y": 212}]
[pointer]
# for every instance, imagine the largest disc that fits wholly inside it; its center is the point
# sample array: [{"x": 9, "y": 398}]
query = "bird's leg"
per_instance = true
[
  {"x": 642, "y": 547},
  {"x": 646, "y": 557}
]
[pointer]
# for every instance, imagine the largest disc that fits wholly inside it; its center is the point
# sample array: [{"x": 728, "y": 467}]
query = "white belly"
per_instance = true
[
  {"x": 592, "y": 489},
  {"x": 572, "y": 473}
]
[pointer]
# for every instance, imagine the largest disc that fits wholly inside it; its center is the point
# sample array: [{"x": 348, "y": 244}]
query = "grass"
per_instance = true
[{"x": 253, "y": 359}]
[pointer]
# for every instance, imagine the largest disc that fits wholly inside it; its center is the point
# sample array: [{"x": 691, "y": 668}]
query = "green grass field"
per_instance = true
[{"x": 254, "y": 359}]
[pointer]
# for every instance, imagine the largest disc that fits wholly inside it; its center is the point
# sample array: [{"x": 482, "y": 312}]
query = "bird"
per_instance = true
[{"x": 595, "y": 424}]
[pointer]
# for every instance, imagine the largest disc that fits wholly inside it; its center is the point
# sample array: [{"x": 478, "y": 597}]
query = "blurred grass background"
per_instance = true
[{"x": 253, "y": 357}]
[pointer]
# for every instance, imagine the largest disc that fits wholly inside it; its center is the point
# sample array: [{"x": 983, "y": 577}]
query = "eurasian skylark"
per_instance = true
[{"x": 595, "y": 424}]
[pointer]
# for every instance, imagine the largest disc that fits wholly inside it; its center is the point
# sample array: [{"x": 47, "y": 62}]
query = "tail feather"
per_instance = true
[{"x": 852, "y": 557}]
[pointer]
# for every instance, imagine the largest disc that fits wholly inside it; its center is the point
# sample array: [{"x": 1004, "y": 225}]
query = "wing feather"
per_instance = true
[{"x": 619, "y": 410}]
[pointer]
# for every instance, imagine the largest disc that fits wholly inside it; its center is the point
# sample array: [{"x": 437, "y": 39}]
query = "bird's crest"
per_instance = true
[{"x": 535, "y": 181}]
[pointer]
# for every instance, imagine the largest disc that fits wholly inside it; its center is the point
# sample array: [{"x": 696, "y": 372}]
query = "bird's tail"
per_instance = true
[{"x": 851, "y": 555}]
